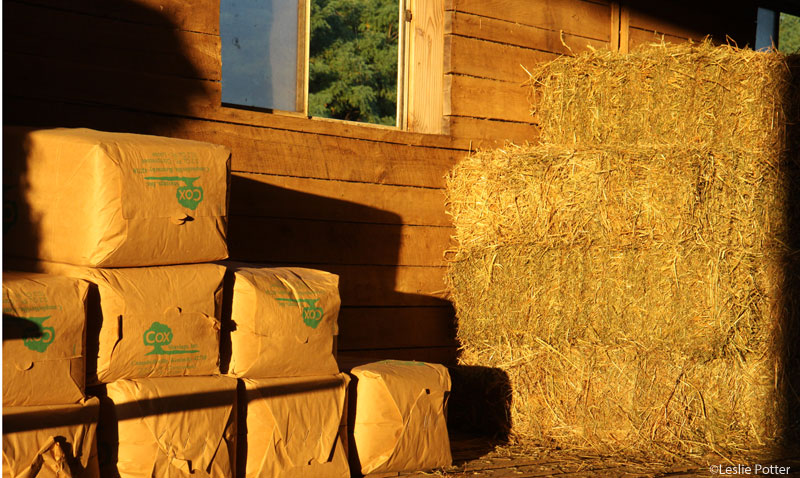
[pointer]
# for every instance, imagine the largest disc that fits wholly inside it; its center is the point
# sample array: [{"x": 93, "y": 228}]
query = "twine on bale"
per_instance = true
[{"x": 629, "y": 276}]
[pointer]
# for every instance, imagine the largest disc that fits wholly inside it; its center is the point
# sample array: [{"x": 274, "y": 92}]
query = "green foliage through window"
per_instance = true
[
  {"x": 789, "y": 33},
  {"x": 353, "y": 60}
]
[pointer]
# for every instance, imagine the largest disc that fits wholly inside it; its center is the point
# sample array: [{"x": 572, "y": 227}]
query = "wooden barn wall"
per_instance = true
[
  {"x": 679, "y": 21},
  {"x": 363, "y": 202},
  {"x": 489, "y": 44}
]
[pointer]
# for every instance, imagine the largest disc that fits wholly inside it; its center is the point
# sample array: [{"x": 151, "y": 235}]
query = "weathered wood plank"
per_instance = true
[
  {"x": 126, "y": 46},
  {"x": 513, "y": 33},
  {"x": 425, "y": 76},
  {"x": 385, "y": 286},
  {"x": 484, "y": 59},
  {"x": 696, "y": 20},
  {"x": 303, "y": 198},
  {"x": 254, "y": 239},
  {"x": 638, "y": 37},
  {"x": 491, "y": 99},
  {"x": 484, "y": 133},
  {"x": 371, "y": 328},
  {"x": 256, "y": 149},
  {"x": 572, "y": 16},
  {"x": 52, "y": 78},
  {"x": 195, "y": 16}
]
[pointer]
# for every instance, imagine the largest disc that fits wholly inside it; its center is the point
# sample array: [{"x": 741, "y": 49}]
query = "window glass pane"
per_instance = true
[
  {"x": 259, "y": 53},
  {"x": 789, "y": 33},
  {"x": 353, "y": 60}
]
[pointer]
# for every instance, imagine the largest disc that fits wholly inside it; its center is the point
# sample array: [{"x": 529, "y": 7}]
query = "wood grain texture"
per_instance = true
[
  {"x": 638, "y": 37},
  {"x": 624, "y": 29},
  {"x": 484, "y": 59},
  {"x": 367, "y": 327},
  {"x": 615, "y": 26},
  {"x": 389, "y": 286},
  {"x": 490, "y": 99},
  {"x": 257, "y": 239},
  {"x": 148, "y": 90},
  {"x": 484, "y": 133},
  {"x": 517, "y": 34},
  {"x": 200, "y": 16},
  {"x": 256, "y": 149},
  {"x": 426, "y": 60},
  {"x": 588, "y": 19},
  {"x": 696, "y": 20},
  {"x": 281, "y": 196},
  {"x": 123, "y": 45}
]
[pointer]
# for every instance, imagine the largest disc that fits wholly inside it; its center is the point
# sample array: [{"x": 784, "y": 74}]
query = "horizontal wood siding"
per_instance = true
[
  {"x": 490, "y": 45},
  {"x": 679, "y": 21},
  {"x": 363, "y": 202}
]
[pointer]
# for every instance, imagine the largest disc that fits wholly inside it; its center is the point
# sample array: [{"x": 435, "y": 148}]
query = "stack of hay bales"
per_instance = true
[
  {"x": 631, "y": 275},
  {"x": 121, "y": 230},
  {"x": 44, "y": 322},
  {"x": 138, "y": 218},
  {"x": 284, "y": 325}
]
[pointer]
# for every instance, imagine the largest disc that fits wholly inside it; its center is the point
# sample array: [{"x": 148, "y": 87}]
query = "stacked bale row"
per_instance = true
[
  {"x": 211, "y": 369},
  {"x": 630, "y": 276}
]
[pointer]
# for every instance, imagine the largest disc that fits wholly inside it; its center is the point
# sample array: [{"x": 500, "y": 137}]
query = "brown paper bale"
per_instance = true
[
  {"x": 174, "y": 426},
  {"x": 284, "y": 322},
  {"x": 114, "y": 199},
  {"x": 53, "y": 441},
  {"x": 634, "y": 296},
  {"x": 399, "y": 423},
  {"x": 150, "y": 321},
  {"x": 296, "y": 427},
  {"x": 44, "y": 337}
]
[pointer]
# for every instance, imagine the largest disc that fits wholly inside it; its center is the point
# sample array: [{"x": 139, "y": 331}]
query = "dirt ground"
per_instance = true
[{"x": 475, "y": 458}]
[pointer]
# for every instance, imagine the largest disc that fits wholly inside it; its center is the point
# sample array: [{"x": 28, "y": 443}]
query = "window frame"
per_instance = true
[{"x": 420, "y": 69}]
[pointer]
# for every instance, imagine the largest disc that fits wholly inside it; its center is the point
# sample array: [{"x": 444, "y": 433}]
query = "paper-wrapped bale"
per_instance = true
[
  {"x": 44, "y": 335},
  {"x": 296, "y": 427},
  {"x": 114, "y": 200},
  {"x": 53, "y": 441},
  {"x": 399, "y": 422},
  {"x": 151, "y": 321},
  {"x": 171, "y": 427},
  {"x": 284, "y": 321}
]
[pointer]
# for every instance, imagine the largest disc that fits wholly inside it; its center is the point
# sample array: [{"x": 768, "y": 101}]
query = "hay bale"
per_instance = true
[
  {"x": 692, "y": 94},
  {"x": 632, "y": 295}
]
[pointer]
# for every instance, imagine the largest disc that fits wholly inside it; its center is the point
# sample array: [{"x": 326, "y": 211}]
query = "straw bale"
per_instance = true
[
  {"x": 632, "y": 295},
  {"x": 661, "y": 94}
]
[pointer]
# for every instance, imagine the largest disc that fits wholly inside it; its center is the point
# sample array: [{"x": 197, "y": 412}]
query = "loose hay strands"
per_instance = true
[
  {"x": 629, "y": 295},
  {"x": 660, "y": 95}
]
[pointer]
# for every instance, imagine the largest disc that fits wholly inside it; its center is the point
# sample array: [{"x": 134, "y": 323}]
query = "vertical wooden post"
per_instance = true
[
  {"x": 614, "y": 39},
  {"x": 303, "y": 39},
  {"x": 425, "y": 66},
  {"x": 624, "y": 28}
]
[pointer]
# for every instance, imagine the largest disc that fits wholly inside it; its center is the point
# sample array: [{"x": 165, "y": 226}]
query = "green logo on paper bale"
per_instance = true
[
  {"x": 312, "y": 314},
  {"x": 159, "y": 336},
  {"x": 46, "y": 337},
  {"x": 188, "y": 195}
]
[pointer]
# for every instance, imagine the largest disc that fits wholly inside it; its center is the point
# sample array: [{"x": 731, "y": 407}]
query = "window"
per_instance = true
[
  {"x": 788, "y": 33},
  {"x": 358, "y": 60},
  {"x": 778, "y": 28}
]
